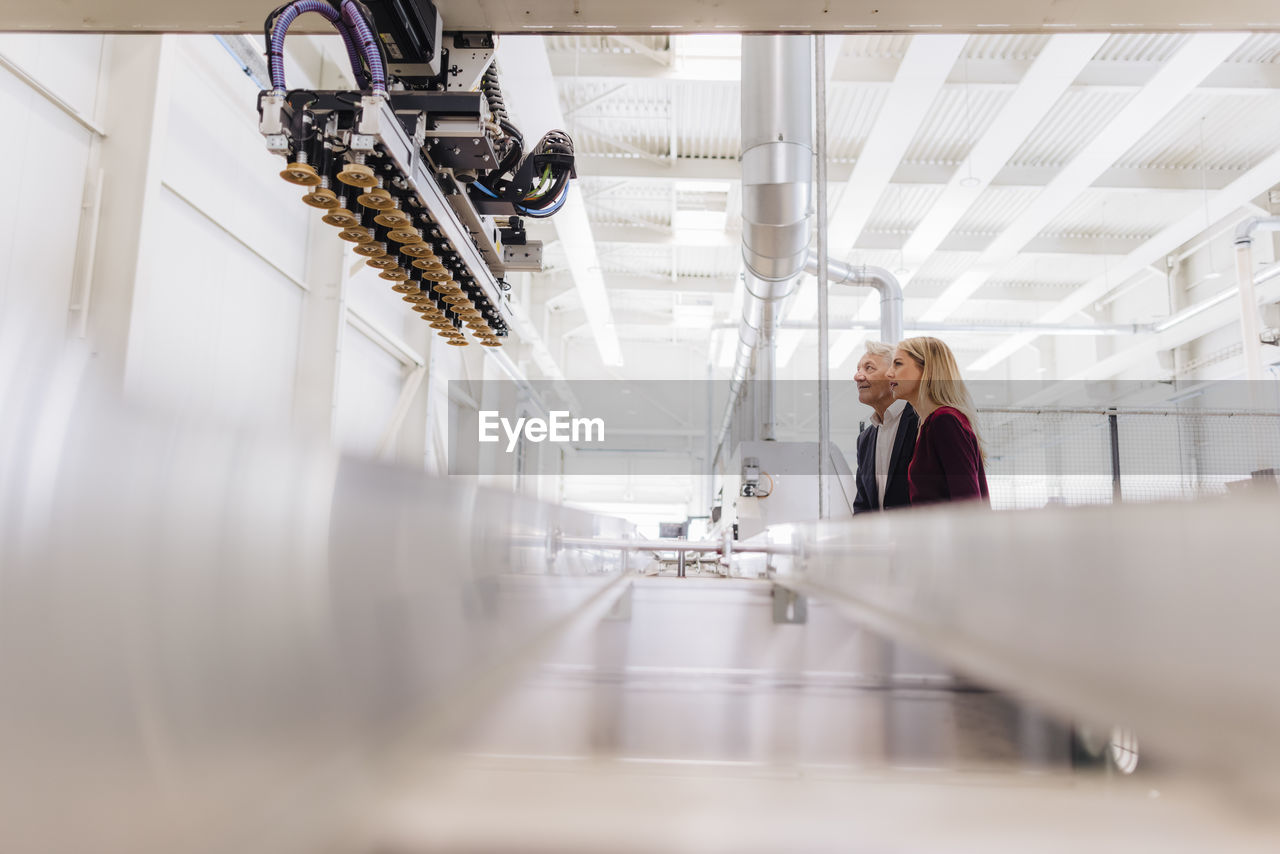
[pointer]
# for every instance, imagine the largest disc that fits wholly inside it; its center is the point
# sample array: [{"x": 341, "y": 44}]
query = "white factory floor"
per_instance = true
[
  {"x": 696, "y": 670},
  {"x": 695, "y": 723}
]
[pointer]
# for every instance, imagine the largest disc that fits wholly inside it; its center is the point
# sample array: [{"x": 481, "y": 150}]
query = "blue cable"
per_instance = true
[{"x": 545, "y": 212}]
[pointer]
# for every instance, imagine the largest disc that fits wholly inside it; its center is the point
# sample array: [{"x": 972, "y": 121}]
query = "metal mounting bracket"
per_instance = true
[{"x": 789, "y": 606}]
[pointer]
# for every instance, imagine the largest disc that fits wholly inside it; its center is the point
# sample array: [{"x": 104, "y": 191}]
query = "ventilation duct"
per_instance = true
[{"x": 777, "y": 191}]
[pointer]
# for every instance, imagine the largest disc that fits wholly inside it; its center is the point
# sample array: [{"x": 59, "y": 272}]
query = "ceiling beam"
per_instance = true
[
  {"x": 924, "y": 69},
  {"x": 1226, "y": 313},
  {"x": 868, "y": 241},
  {"x": 621, "y": 282},
  {"x": 623, "y": 145},
  {"x": 531, "y": 96},
  {"x": 1176, "y": 79},
  {"x": 707, "y": 285},
  {"x": 673, "y": 16},
  {"x": 1045, "y": 81},
  {"x": 1221, "y": 205},
  {"x": 596, "y": 99},
  {"x": 1237, "y": 78},
  {"x": 661, "y": 230},
  {"x": 661, "y": 57},
  {"x": 719, "y": 170},
  {"x": 570, "y": 65}
]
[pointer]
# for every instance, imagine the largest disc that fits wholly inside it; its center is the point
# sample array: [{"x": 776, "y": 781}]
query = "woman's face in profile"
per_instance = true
[{"x": 904, "y": 376}]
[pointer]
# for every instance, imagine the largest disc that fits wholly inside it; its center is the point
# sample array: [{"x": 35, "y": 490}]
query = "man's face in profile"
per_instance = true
[{"x": 873, "y": 386}]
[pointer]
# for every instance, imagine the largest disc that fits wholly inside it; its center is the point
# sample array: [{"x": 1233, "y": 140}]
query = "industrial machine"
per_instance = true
[
  {"x": 770, "y": 483},
  {"x": 420, "y": 169}
]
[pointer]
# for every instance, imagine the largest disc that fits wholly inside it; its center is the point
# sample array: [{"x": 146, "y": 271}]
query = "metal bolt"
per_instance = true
[
  {"x": 475, "y": 141},
  {"x": 457, "y": 150}
]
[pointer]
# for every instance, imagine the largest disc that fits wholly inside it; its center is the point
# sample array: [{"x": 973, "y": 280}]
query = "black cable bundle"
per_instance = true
[{"x": 540, "y": 183}]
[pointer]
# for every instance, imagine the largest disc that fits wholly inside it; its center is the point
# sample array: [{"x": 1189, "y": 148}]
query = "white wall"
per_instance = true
[
  {"x": 225, "y": 319},
  {"x": 45, "y": 153}
]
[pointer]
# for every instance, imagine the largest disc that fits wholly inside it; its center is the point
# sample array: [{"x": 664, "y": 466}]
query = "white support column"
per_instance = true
[
  {"x": 324, "y": 312},
  {"x": 135, "y": 105},
  {"x": 324, "y": 325}
]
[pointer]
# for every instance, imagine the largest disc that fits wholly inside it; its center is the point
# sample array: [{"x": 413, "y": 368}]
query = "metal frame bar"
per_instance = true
[
  {"x": 824, "y": 342},
  {"x": 52, "y": 97},
  {"x": 374, "y": 331}
]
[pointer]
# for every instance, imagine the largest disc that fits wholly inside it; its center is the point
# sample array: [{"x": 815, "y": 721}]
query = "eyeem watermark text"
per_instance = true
[{"x": 558, "y": 428}]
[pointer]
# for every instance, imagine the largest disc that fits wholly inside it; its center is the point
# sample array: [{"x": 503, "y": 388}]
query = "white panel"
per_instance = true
[
  {"x": 368, "y": 386},
  {"x": 374, "y": 299},
  {"x": 215, "y": 330},
  {"x": 66, "y": 64},
  {"x": 216, "y": 158},
  {"x": 44, "y": 153}
]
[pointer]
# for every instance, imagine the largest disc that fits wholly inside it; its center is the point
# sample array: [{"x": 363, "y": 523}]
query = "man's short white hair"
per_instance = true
[{"x": 879, "y": 348}]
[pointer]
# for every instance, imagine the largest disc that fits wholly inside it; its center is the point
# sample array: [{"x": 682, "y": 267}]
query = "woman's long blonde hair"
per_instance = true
[{"x": 940, "y": 379}]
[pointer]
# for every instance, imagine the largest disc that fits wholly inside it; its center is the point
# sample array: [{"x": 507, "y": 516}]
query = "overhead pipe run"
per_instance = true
[
  {"x": 777, "y": 192},
  {"x": 869, "y": 277},
  {"x": 777, "y": 155}
]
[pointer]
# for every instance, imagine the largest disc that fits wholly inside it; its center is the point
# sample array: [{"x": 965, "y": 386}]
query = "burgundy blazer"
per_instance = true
[{"x": 946, "y": 465}]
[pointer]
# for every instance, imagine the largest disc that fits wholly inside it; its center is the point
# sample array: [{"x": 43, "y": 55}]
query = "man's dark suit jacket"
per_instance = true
[{"x": 895, "y": 493}]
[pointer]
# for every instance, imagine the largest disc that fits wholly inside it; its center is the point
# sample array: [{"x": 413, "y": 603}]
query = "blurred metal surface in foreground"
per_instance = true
[
  {"x": 630, "y": 808},
  {"x": 211, "y": 641},
  {"x": 1160, "y": 617}
]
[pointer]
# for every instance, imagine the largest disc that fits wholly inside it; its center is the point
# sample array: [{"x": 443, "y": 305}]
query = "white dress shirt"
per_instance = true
[{"x": 886, "y": 433}]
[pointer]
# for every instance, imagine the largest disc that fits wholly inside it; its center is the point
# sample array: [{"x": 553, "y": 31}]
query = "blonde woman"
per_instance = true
[{"x": 948, "y": 461}]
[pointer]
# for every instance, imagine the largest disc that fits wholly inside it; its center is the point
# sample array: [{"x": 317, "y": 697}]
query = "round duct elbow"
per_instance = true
[{"x": 776, "y": 200}]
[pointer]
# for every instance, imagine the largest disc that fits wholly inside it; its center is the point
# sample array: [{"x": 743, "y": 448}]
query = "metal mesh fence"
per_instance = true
[{"x": 1039, "y": 457}]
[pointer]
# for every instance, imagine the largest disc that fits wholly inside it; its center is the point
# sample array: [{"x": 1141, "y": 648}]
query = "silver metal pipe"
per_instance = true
[
  {"x": 776, "y": 190},
  {"x": 776, "y": 152},
  {"x": 1250, "y": 322},
  {"x": 668, "y": 545},
  {"x": 766, "y": 374},
  {"x": 824, "y": 342},
  {"x": 875, "y": 277},
  {"x": 997, "y": 328}
]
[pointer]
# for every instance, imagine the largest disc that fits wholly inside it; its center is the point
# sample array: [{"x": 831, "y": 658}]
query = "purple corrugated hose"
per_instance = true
[
  {"x": 275, "y": 49},
  {"x": 369, "y": 47}
]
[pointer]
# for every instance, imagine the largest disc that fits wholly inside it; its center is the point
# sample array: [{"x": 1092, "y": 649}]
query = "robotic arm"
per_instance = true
[{"x": 421, "y": 169}]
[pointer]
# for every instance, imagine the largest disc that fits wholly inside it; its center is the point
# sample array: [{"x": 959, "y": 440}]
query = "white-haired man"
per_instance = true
[{"x": 885, "y": 447}]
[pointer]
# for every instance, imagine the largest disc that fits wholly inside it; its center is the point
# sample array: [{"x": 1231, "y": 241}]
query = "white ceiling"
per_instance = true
[{"x": 1119, "y": 158}]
